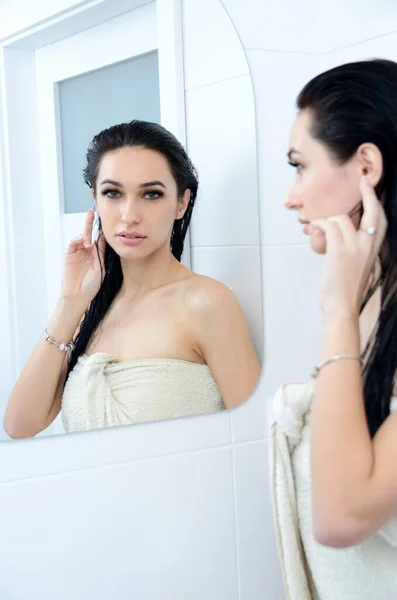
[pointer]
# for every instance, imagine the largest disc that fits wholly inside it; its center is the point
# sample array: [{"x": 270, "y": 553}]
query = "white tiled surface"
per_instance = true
[
  {"x": 221, "y": 143},
  {"x": 292, "y": 315},
  {"x": 278, "y": 78},
  {"x": 259, "y": 571},
  {"x": 238, "y": 267},
  {"x": 249, "y": 420},
  {"x": 383, "y": 47},
  {"x": 282, "y": 25},
  {"x": 22, "y": 459},
  {"x": 341, "y": 23},
  {"x": 310, "y": 26},
  {"x": 222, "y": 56},
  {"x": 147, "y": 530}
]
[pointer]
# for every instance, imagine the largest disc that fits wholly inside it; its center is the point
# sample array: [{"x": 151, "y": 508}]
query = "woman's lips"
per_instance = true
[
  {"x": 132, "y": 240},
  {"x": 305, "y": 225}
]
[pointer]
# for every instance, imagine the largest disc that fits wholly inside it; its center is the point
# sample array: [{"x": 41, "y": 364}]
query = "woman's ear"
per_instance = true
[
  {"x": 370, "y": 162},
  {"x": 183, "y": 204}
]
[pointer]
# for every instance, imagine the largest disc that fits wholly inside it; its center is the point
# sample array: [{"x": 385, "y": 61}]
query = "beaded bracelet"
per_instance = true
[{"x": 62, "y": 347}]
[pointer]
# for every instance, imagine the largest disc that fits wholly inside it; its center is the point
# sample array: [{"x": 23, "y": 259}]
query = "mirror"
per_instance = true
[{"x": 156, "y": 335}]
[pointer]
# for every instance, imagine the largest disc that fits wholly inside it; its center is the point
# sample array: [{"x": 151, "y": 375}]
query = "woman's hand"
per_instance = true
[
  {"x": 84, "y": 265},
  {"x": 350, "y": 254}
]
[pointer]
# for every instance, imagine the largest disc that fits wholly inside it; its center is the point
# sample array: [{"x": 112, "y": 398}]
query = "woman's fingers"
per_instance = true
[
  {"x": 346, "y": 228},
  {"x": 89, "y": 223},
  {"x": 75, "y": 244},
  {"x": 372, "y": 206},
  {"x": 328, "y": 228},
  {"x": 373, "y": 223}
]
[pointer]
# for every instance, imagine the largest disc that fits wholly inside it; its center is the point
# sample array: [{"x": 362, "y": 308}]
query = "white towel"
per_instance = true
[
  {"x": 366, "y": 570},
  {"x": 288, "y": 409}
]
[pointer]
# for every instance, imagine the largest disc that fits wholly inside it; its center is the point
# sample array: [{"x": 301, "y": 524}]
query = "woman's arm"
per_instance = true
[
  {"x": 36, "y": 399},
  {"x": 354, "y": 478}
]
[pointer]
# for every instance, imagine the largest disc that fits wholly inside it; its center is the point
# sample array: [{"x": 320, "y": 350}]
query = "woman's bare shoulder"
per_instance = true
[{"x": 202, "y": 293}]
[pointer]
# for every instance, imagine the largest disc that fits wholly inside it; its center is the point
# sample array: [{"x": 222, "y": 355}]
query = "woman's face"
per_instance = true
[
  {"x": 136, "y": 199},
  {"x": 322, "y": 188}
]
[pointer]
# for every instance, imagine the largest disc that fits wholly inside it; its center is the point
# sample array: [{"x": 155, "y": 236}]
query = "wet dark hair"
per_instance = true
[
  {"x": 351, "y": 105},
  {"x": 152, "y": 137}
]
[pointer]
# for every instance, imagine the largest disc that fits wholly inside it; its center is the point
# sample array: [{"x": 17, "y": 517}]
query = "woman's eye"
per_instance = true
[
  {"x": 111, "y": 193},
  {"x": 296, "y": 166},
  {"x": 153, "y": 195}
]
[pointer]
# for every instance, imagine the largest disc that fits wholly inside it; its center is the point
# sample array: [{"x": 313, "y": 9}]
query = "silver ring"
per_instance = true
[{"x": 369, "y": 230}]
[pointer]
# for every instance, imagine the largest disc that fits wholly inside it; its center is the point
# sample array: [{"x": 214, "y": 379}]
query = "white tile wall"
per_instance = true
[
  {"x": 278, "y": 77},
  {"x": 381, "y": 47},
  {"x": 259, "y": 573},
  {"x": 222, "y": 56},
  {"x": 249, "y": 420},
  {"x": 292, "y": 318},
  {"x": 147, "y": 530},
  {"x": 23, "y": 459},
  {"x": 221, "y": 143},
  {"x": 342, "y": 23},
  {"x": 280, "y": 26}
]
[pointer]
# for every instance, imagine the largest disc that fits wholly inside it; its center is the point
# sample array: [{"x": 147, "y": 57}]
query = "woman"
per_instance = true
[
  {"x": 151, "y": 339},
  {"x": 335, "y": 438}
]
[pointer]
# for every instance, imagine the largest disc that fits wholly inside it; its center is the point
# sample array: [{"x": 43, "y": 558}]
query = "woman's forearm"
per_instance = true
[
  {"x": 34, "y": 393},
  {"x": 342, "y": 452}
]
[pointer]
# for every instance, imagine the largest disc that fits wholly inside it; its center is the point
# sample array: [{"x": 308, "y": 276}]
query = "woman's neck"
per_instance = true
[{"x": 140, "y": 276}]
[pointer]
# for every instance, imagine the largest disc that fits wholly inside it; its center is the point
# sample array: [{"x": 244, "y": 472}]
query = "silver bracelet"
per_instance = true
[
  {"x": 62, "y": 347},
  {"x": 317, "y": 368}
]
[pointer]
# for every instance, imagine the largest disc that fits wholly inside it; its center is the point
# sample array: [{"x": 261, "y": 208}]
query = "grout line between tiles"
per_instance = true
[
  {"x": 325, "y": 52},
  {"x": 65, "y": 472},
  {"x": 205, "y": 85},
  {"x": 236, "y": 536},
  {"x": 358, "y": 43},
  {"x": 274, "y": 51}
]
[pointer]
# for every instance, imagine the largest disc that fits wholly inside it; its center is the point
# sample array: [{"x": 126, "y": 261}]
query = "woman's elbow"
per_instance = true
[
  {"x": 338, "y": 532},
  {"x": 15, "y": 429}
]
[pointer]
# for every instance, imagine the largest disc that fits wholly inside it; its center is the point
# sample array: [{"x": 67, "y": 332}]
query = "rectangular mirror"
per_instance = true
[{"x": 157, "y": 333}]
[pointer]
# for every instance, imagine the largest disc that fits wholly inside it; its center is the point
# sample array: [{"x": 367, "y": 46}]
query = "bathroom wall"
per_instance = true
[{"x": 182, "y": 510}]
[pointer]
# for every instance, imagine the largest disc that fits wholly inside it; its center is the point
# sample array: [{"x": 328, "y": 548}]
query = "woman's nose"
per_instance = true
[
  {"x": 292, "y": 202},
  {"x": 130, "y": 212}
]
